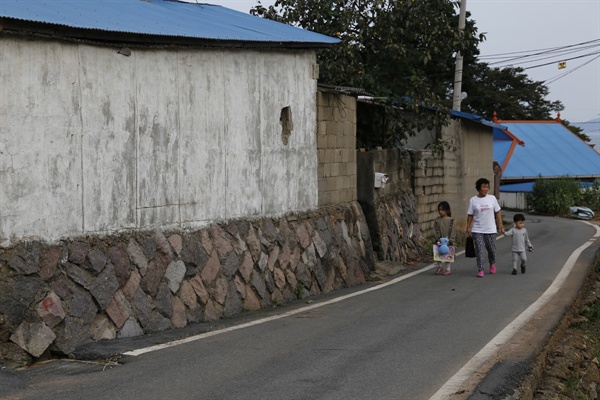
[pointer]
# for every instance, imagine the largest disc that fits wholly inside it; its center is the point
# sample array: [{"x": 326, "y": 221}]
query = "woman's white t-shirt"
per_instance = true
[{"x": 483, "y": 210}]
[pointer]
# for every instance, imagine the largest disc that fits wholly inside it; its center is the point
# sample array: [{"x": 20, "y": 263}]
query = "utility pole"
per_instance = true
[{"x": 458, "y": 69}]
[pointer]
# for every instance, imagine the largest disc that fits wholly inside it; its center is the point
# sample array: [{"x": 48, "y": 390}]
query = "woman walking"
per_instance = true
[{"x": 481, "y": 225}]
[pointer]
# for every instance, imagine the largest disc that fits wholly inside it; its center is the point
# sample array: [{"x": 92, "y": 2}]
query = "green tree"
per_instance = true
[
  {"x": 554, "y": 196},
  {"x": 397, "y": 50},
  {"x": 507, "y": 91}
]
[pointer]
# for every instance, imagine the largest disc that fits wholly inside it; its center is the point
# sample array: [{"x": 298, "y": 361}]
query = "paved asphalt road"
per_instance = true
[{"x": 408, "y": 337}]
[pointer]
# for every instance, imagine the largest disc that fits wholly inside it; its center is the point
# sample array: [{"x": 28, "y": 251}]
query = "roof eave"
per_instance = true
[{"x": 97, "y": 36}]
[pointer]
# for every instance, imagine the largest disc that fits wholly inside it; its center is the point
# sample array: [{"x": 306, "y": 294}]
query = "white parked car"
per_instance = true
[{"x": 582, "y": 212}]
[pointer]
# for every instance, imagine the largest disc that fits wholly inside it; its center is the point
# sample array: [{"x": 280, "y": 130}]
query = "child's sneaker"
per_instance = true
[
  {"x": 523, "y": 269},
  {"x": 514, "y": 272},
  {"x": 493, "y": 269},
  {"x": 480, "y": 274},
  {"x": 439, "y": 271},
  {"x": 448, "y": 273}
]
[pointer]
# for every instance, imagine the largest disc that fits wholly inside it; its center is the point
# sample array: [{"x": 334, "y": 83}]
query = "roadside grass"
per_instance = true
[{"x": 589, "y": 327}]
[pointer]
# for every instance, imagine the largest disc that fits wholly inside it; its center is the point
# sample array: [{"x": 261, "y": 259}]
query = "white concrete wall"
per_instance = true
[
  {"x": 515, "y": 201},
  {"x": 92, "y": 141}
]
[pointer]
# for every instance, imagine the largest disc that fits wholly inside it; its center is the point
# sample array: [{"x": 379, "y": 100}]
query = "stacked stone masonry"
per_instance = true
[
  {"x": 56, "y": 297},
  {"x": 336, "y": 144}
]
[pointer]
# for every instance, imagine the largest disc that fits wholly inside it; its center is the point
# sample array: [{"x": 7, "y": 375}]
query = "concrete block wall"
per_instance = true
[
  {"x": 429, "y": 187},
  {"x": 397, "y": 164},
  {"x": 336, "y": 144}
]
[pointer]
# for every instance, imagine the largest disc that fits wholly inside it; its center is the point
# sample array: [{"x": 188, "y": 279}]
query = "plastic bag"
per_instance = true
[{"x": 470, "y": 248}]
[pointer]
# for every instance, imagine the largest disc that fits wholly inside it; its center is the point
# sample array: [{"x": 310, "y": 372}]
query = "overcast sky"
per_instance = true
[{"x": 530, "y": 26}]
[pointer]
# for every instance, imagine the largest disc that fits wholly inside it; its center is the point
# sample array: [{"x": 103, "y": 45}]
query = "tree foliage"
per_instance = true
[
  {"x": 507, "y": 91},
  {"x": 404, "y": 52},
  {"x": 397, "y": 50},
  {"x": 554, "y": 197}
]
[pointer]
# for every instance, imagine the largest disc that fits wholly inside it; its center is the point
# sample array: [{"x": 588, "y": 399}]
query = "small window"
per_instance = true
[{"x": 286, "y": 124}]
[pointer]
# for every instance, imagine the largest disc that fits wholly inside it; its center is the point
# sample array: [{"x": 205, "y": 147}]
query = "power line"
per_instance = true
[
  {"x": 546, "y": 50},
  {"x": 552, "y": 80},
  {"x": 548, "y": 55},
  {"x": 566, "y": 59}
]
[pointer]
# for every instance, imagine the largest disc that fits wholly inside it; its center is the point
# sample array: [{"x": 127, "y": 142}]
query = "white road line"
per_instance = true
[
  {"x": 278, "y": 316},
  {"x": 458, "y": 381}
]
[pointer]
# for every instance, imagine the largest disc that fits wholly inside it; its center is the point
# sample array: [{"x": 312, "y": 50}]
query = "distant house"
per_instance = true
[
  {"x": 530, "y": 150},
  {"x": 452, "y": 176},
  {"x": 149, "y": 114}
]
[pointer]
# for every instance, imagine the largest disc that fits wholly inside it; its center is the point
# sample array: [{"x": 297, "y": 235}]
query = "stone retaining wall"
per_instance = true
[
  {"x": 56, "y": 297},
  {"x": 400, "y": 237}
]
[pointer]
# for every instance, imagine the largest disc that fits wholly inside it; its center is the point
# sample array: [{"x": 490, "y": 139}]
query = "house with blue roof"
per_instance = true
[
  {"x": 146, "y": 114},
  {"x": 530, "y": 150}
]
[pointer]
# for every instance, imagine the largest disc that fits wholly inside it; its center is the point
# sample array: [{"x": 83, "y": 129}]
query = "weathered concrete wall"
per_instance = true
[
  {"x": 476, "y": 142},
  {"x": 336, "y": 144},
  {"x": 60, "y": 296},
  {"x": 95, "y": 142}
]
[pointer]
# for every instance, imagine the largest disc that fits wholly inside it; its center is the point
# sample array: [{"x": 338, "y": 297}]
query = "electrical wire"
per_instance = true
[
  {"x": 566, "y": 59},
  {"x": 540, "y": 51},
  {"x": 552, "y": 80},
  {"x": 557, "y": 54},
  {"x": 544, "y": 56}
]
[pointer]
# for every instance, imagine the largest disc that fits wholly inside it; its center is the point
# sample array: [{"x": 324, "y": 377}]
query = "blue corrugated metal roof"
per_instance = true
[
  {"x": 523, "y": 187},
  {"x": 161, "y": 18},
  {"x": 549, "y": 150},
  {"x": 476, "y": 118}
]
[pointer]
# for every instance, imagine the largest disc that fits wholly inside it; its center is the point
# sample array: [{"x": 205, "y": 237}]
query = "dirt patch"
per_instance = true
[{"x": 571, "y": 366}]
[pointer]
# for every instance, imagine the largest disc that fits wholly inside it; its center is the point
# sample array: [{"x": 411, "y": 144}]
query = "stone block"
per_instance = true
[
  {"x": 251, "y": 301},
  {"x": 233, "y": 303},
  {"x": 230, "y": 265},
  {"x": 179, "y": 319},
  {"x": 33, "y": 337},
  {"x": 211, "y": 269},
  {"x": 187, "y": 295},
  {"x": 95, "y": 261},
  {"x": 175, "y": 273},
  {"x": 49, "y": 262},
  {"x": 131, "y": 328},
  {"x": 132, "y": 284},
  {"x": 219, "y": 291},
  {"x": 101, "y": 328},
  {"x": 200, "y": 289},
  {"x": 120, "y": 259},
  {"x": 78, "y": 252},
  {"x": 176, "y": 242},
  {"x": 50, "y": 309},
  {"x": 246, "y": 267},
  {"x": 137, "y": 256},
  {"x": 17, "y": 294},
  {"x": 119, "y": 309},
  {"x": 212, "y": 311},
  {"x": 104, "y": 287}
]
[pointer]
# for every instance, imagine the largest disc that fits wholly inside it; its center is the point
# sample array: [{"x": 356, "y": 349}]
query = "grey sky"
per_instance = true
[{"x": 530, "y": 25}]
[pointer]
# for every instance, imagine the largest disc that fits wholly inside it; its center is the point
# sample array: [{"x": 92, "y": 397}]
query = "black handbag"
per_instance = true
[{"x": 470, "y": 248}]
